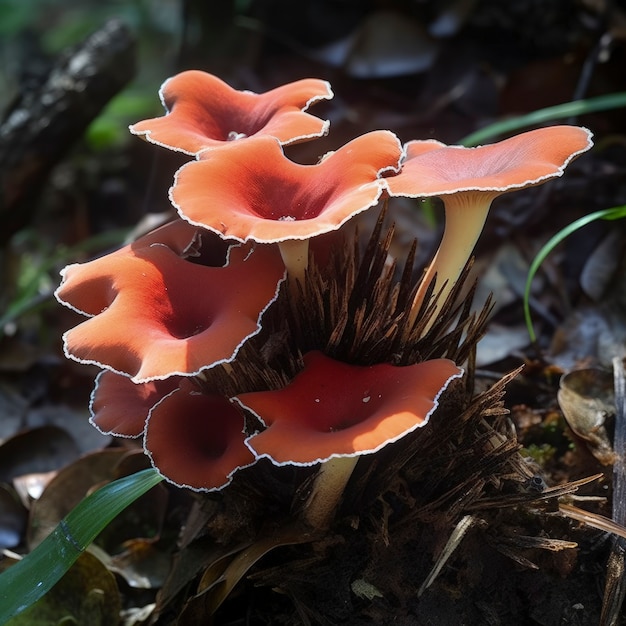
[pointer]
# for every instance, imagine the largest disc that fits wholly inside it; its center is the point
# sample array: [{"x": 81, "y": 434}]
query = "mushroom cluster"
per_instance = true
[{"x": 170, "y": 315}]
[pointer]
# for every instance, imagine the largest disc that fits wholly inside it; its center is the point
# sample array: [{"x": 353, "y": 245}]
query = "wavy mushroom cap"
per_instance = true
[
  {"x": 431, "y": 168},
  {"x": 469, "y": 179},
  {"x": 160, "y": 315},
  {"x": 204, "y": 112},
  {"x": 251, "y": 191},
  {"x": 81, "y": 281},
  {"x": 333, "y": 409},
  {"x": 196, "y": 440},
  {"x": 120, "y": 407}
]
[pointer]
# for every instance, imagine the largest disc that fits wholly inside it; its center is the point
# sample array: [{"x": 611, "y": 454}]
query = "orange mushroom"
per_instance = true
[
  {"x": 196, "y": 440},
  {"x": 469, "y": 179},
  {"x": 333, "y": 409},
  {"x": 203, "y": 112},
  {"x": 251, "y": 191},
  {"x": 79, "y": 289},
  {"x": 157, "y": 315},
  {"x": 120, "y": 407},
  {"x": 336, "y": 411}
]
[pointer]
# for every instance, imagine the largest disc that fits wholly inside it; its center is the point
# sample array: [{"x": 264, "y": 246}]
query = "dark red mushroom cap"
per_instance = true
[
  {"x": 120, "y": 407},
  {"x": 204, "y": 112},
  {"x": 333, "y": 409},
  {"x": 196, "y": 440}
]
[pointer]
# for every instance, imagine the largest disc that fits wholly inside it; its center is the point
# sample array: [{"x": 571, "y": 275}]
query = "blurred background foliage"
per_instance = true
[
  {"x": 34, "y": 32},
  {"x": 421, "y": 68},
  {"x": 418, "y": 67}
]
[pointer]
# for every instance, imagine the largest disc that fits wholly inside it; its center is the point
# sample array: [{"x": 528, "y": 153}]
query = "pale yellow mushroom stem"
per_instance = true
[
  {"x": 328, "y": 488},
  {"x": 465, "y": 213},
  {"x": 295, "y": 254}
]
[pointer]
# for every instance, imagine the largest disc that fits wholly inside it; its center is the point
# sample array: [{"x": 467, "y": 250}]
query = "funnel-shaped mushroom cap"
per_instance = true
[
  {"x": 160, "y": 315},
  {"x": 469, "y": 179},
  {"x": 431, "y": 168},
  {"x": 333, "y": 409},
  {"x": 77, "y": 292},
  {"x": 120, "y": 407},
  {"x": 196, "y": 440},
  {"x": 252, "y": 191},
  {"x": 204, "y": 112}
]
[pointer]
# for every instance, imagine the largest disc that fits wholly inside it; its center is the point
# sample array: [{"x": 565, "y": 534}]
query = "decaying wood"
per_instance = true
[{"x": 46, "y": 119}]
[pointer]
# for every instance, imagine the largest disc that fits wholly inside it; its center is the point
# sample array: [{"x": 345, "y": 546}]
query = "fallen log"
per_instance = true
[{"x": 46, "y": 118}]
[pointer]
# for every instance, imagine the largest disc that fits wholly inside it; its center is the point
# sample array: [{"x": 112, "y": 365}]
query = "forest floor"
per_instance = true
[{"x": 424, "y": 73}]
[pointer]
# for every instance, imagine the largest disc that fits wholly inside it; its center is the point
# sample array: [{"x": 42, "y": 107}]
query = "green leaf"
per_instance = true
[
  {"x": 605, "y": 214},
  {"x": 87, "y": 594},
  {"x": 31, "y": 578},
  {"x": 110, "y": 128},
  {"x": 560, "y": 111}
]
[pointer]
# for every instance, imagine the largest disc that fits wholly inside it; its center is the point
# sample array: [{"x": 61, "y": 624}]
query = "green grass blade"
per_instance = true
[
  {"x": 22, "y": 584},
  {"x": 606, "y": 214},
  {"x": 560, "y": 111}
]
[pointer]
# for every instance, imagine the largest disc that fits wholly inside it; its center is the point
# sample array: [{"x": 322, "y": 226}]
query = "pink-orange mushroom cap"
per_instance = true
[
  {"x": 251, "y": 191},
  {"x": 196, "y": 440},
  {"x": 469, "y": 179},
  {"x": 82, "y": 287},
  {"x": 333, "y": 409},
  {"x": 204, "y": 112},
  {"x": 120, "y": 407},
  {"x": 159, "y": 315}
]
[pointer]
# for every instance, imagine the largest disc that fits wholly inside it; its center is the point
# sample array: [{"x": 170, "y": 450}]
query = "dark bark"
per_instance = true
[{"x": 48, "y": 117}]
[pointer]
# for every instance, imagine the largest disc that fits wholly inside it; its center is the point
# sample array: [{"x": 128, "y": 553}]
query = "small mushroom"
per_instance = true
[
  {"x": 196, "y": 440},
  {"x": 469, "y": 179},
  {"x": 204, "y": 112},
  {"x": 251, "y": 191},
  {"x": 333, "y": 410},
  {"x": 156, "y": 315},
  {"x": 120, "y": 407}
]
